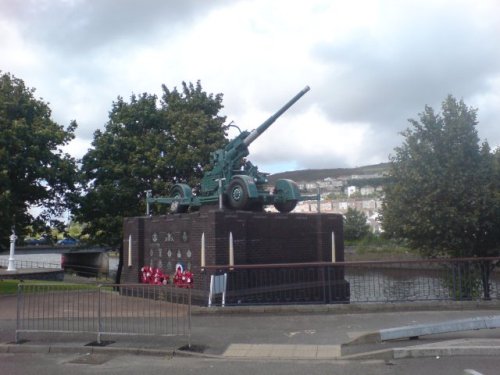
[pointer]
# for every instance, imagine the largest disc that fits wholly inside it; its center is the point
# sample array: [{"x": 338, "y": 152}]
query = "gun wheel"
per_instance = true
[
  {"x": 285, "y": 207},
  {"x": 175, "y": 206},
  {"x": 237, "y": 195}
]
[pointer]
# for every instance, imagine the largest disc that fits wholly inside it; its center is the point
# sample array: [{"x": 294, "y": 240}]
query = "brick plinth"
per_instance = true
[{"x": 258, "y": 238}]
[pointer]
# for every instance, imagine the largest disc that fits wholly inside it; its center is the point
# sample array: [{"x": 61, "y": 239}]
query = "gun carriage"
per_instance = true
[{"x": 234, "y": 182}]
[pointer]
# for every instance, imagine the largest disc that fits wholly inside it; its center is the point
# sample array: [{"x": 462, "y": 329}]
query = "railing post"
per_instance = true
[
  {"x": 189, "y": 317},
  {"x": 485, "y": 279},
  {"x": 18, "y": 313},
  {"x": 323, "y": 276},
  {"x": 99, "y": 322},
  {"x": 460, "y": 285},
  {"x": 453, "y": 281},
  {"x": 329, "y": 279}
]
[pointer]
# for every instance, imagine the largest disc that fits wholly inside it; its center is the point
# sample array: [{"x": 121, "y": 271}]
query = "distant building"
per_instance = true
[
  {"x": 367, "y": 190},
  {"x": 370, "y": 207},
  {"x": 351, "y": 190},
  {"x": 366, "y": 197}
]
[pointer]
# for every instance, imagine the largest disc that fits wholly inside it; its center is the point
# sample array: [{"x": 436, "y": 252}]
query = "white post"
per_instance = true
[
  {"x": 231, "y": 249},
  {"x": 219, "y": 180},
  {"x": 211, "y": 290},
  {"x": 149, "y": 194},
  {"x": 334, "y": 255},
  {"x": 130, "y": 250},
  {"x": 203, "y": 250},
  {"x": 12, "y": 265}
]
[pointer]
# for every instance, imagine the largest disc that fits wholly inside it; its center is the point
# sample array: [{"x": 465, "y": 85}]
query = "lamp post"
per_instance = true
[{"x": 13, "y": 238}]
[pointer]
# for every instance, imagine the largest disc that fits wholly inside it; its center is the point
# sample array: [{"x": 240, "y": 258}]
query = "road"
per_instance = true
[{"x": 76, "y": 364}]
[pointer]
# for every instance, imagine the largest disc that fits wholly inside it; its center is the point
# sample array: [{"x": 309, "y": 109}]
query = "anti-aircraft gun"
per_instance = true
[{"x": 237, "y": 181}]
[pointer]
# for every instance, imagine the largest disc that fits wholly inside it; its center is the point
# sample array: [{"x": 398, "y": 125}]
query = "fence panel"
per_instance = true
[
  {"x": 126, "y": 309},
  {"x": 423, "y": 280},
  {"x": 300, "y": 283},
  {"x": 357, "y": 282}
]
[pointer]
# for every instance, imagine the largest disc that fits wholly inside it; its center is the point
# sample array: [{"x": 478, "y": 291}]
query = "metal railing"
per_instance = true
[
  {"x": 111, "y": 309},
  {"x": 457, "y": 279},
  {"x": 353, "y": 282},
  {"x": 29, "y": 264}
]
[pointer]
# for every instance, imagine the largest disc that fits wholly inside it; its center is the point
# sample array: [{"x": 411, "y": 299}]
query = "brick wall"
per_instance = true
[{"x": 258, "y": 238}]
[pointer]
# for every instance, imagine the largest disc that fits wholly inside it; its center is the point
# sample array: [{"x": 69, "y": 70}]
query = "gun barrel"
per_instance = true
[{"x": 266, "y": 124}]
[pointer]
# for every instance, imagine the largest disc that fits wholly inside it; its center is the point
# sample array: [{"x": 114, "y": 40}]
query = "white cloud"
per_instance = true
[
  {"x": 370, "y": 64},
  {"x": 312, "y": 139}
]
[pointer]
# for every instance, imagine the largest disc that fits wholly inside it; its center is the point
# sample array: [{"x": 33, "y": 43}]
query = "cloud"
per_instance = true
[
  {"x": 81, "y": 27},
  {"x": 370, "y": 65},
  {"x": 412, "y": 59},
  {"x": 310, "y": 136}
]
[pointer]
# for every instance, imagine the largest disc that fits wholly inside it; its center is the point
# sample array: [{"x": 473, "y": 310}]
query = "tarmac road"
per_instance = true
[{"x": 81, "y": 363}]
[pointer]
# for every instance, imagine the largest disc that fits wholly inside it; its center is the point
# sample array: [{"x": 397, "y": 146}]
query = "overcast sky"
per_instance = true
[{"x": 371, "y": 65}]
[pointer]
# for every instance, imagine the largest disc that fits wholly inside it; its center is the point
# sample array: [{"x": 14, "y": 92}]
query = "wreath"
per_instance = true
[
  {"x": 183, "y": 279},
  {"x": 155, "y": 276}
]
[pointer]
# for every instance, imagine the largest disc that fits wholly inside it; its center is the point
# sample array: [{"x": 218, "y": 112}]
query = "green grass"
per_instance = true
[
  {"x": 376, "y": 248},
  {"x": 9, "y": 287}
]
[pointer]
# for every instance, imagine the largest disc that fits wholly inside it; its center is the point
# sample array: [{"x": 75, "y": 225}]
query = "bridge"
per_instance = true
[{"x": 88, "y": 261}]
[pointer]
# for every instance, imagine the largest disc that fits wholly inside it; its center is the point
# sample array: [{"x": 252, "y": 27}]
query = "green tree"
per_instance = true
[
  {"x": 34, "y": 172},
  {"x": 196, "y": 128},
  {"x": 443, "y": 197},
  {"x": 355, "y": 225},
  {"x": 146, "y": 146}
]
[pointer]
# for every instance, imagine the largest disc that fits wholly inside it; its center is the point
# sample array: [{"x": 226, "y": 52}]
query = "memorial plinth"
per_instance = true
[{"x": 257, "y": 238}]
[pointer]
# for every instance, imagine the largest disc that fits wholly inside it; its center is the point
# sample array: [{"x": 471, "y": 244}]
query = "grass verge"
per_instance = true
[
  {"x": 375, "y": 248},
  {"x": 9, "y": 286}
]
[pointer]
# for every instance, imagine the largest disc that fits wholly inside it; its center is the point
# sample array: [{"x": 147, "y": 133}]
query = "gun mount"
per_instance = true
[{"x": 237, "y": 181}]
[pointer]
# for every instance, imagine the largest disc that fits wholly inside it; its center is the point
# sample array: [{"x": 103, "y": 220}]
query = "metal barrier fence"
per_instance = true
[
  {"x": 111, "y": 309},
  {"x": 355, "y": 282}
]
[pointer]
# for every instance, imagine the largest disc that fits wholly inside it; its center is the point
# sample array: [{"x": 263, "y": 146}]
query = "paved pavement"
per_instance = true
[{"x": 284, "y": 332}]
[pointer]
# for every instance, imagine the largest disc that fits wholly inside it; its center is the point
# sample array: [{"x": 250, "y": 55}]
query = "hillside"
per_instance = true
[{"x": 321, "y": 174}]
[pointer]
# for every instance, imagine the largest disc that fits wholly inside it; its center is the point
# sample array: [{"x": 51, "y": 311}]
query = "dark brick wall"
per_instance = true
[{"x": 258, "y": 238}]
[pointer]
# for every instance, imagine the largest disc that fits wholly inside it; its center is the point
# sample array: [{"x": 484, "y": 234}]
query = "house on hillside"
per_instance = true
[
  {"x": 370, "y": 207},
  {"x": 350, "y": 190}
]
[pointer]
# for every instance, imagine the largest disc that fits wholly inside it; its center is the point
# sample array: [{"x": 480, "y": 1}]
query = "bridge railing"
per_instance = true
[{"x": 29, "y": 264}]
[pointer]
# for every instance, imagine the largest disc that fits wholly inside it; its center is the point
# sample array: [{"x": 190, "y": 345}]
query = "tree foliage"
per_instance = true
[
  {"x": 444, "y": 192},
  {"x": 196, "y": 130},
  {"x": 146, "y": 145},
  {"x": 355, "y": 225},
  {"x": 34, "y": 172}
]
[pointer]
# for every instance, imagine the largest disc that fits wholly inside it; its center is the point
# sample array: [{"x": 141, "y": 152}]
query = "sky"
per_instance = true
[{"x": 371, "y": 66}]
